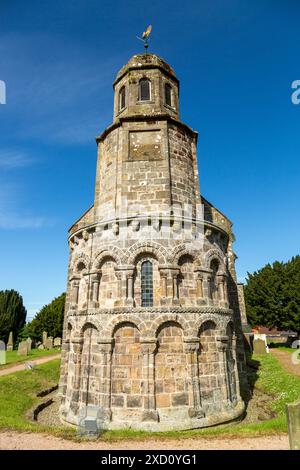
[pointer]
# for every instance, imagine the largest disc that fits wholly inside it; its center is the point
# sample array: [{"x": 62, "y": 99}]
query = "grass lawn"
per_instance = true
[
  {"x": 12, "y": 357},
  {"x": 18, "y": 395}
]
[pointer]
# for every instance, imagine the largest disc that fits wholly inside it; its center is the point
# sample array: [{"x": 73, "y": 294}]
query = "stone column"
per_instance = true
[
  {"x": 175, "y": 294},
  {"x": 199, "y": 286},
  {"x": 119, "y": 276},
  {"x": 62, "y": 391},
  {"x": 220, "y": 283},
  {"x": 236, "y": 372},
  {"x": 166, "y": 285},
  {"x": 105, "y": 350},
  {"x": 77, "y": 344},
  {"x": 86, "y": 297},
  {"x": 74, "y": 291},
  {"x": 148, "y": 348},
  {"x": 222, "y": 345},
  {"x": 209, "y": 287},
  {"x": 95, "y": 280},
  {"x": 129, "y": 273},
  {"x": 202, "y": 284},
  {"x": 125, "y": 276},
  {"x": 191, "y": 346}
]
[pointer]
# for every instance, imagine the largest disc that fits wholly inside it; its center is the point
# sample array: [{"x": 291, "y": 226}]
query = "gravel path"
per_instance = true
[
  {"x": 33, "y": 441},
  {"x": 21, "y": 366},
  {"x": 285, "y": 359}
]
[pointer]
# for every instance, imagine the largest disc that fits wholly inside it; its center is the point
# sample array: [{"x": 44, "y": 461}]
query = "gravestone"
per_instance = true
[
  {"x": 57, "y": 342},
  {"x": 2, "y": 353},
  {"x": 23, "y": 348},
  {"x": 41, "y": 347},
  {"x": 293, "y": 417},
  {"x": 260, "y": 344},
  {"x": 29, "y": 344},
  {"x": 10, "y": 343},
  {"x": 45, "y": 335},
  {"x": 49, "y": 343}
]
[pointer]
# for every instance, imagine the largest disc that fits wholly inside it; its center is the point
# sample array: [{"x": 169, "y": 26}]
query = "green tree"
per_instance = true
[
  {"x": 272, "y": 296},
  {"x": 50, "y": 318},
  {"x": 12, "y": 313}
]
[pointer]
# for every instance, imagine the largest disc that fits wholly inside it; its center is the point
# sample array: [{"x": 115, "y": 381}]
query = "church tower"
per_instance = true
[{"x": 152, "y": 331}]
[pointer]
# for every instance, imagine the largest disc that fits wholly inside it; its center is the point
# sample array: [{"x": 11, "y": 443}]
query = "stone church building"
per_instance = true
[{"x": 152, "y": 330}]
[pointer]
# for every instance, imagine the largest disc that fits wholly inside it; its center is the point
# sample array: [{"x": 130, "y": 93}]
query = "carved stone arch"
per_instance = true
[
  {"x": 170, "y": 317},
  {"x": 180, "y": 251},
  {"x": 214, "y": 254},
  {"x": 109, "y": 252},
  {"x": 110, "y": 328},
  {"x": 226, "y": 324},
  {"x": 83, "y": 259},
  {"x": 69, "y": 329},
  {"x": 140, "y": 248},
  {"x": 205, "y": 319},
  {"x": 87, "y": 324}
]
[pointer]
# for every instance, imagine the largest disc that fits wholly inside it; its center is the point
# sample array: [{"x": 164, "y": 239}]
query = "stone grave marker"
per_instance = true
[
  {"x": 57, "y": 342},
  {"x": 260, "y": 344},
  {"x": 10, "y": 343},
  {"x": 49, "y": 343},
  {"x": 29, "y": 343},
  {"x": 293, "y": 417},
  {"x": 2, "y": 353},
  {"x": 23, "y": 348},
  {"x": 45, "y": 335}
]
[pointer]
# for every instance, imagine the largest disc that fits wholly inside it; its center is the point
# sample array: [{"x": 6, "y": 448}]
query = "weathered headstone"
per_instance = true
[
  {"x": 23, "y": 348},
  {"x": 10, "y": 343},
  {"x": 45, "y": 335},
  {"x": 41, "y": 347},
  {"x": 49, "y": 343},
  {"x": 260, "y": 344},
  {"x": 293, "y": 417},
  {"x": 57, "y": 342},
  {"x": 29, "y": 343},
  {"x": 2, "y": 353}
]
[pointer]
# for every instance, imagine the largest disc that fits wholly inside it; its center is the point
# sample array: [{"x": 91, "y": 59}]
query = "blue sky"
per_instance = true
[{"x": 236, "y": 60}]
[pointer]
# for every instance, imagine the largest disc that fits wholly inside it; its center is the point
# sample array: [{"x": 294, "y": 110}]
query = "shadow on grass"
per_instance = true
[{"x": 252, "y": 376}]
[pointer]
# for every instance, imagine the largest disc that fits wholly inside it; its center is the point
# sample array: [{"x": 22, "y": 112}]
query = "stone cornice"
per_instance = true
[
  {"x": 160, "y": 310},
  {"x": 93, "y": 225},
  {"x": 150, "y": 117}
]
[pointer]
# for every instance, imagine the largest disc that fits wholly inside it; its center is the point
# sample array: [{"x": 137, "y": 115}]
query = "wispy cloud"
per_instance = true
[
  {"x": 12, "y": 159},
  {"x": 19, "y": 221}
]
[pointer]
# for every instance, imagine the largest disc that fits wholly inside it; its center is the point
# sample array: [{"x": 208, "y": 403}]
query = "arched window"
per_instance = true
[
  {"x": 147, "y": 284},
  {"x": 122, "y": 98},
  {"x": 144, "y": 89},
  {"x": 168, "y": 94}
]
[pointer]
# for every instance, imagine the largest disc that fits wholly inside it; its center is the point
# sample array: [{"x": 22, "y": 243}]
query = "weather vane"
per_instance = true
[{"x": 145, "y": 37}]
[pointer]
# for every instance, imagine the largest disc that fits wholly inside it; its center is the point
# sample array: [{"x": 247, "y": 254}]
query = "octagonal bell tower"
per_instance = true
[{"x": 152, "y": 323}]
